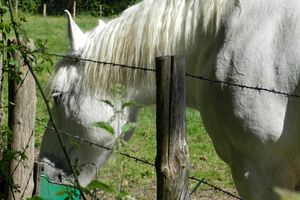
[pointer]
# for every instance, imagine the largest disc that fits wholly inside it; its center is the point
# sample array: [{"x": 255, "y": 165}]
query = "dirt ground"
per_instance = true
[{"x": 202, "y": 193}]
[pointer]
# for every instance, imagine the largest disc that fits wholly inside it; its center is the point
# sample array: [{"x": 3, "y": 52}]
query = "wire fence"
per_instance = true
[
  {"x": 200, "y": 181},
  {"x": 139, "y": 160},
  {"x": 201, "y": 78}
]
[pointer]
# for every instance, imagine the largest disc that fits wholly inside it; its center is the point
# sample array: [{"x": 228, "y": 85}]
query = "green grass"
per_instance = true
[
  {"x": 139, "y": 179},
  {"x": 133, "y": 177},
  {"x": 54, "y": 30}
]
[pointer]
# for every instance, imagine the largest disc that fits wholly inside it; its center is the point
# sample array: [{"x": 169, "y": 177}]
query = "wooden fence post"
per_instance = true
[
  {"x": 16, "y": 7},
  {"x": 44, "y": 10},
  {"x": 36, "y": 179},
  {"x": 101, "y": 10},
  {"x": 172, "y": 160},
  {"x": 22, "y": 107},
  {"x": 74, "y": 9}
]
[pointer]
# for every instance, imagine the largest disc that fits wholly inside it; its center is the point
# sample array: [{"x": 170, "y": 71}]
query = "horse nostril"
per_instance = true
[{"x": 59, "y": 178}]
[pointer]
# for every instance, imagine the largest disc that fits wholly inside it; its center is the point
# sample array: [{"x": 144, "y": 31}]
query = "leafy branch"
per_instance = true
[{"x": 119, "y": 104}]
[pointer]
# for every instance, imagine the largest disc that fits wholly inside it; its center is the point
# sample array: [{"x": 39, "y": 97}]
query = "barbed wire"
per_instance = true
[
  {"x": 202, "y": 78},
  {"x": 145, "y": 162},
  {"x": 102, "y": 62},
  {"x": 257, "y": 88},
  {"x": 83, "y": 140},
  {"x": 205, "y": 182}
]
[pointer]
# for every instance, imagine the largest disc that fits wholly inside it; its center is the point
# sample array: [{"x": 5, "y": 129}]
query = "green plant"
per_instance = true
[
  {"x": 118, "y": 104},
  {"x": 31, "y": 6},
  {"x": 93, "y": 7},
  {"x": 95, "y": 186}
]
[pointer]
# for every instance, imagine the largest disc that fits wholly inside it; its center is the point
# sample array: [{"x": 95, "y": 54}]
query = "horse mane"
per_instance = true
[{"x": 142, "y": 32}]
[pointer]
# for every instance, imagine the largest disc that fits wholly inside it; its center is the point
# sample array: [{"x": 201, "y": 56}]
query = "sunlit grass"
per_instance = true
[{"x": 140, "y": 179}]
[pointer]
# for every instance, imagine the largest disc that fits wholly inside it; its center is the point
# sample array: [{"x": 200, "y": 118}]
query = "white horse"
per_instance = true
[{"x": 254, "y": 43}]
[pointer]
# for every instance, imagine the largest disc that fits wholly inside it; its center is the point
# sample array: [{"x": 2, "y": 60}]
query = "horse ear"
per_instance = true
[
  {"x": 101, "y": 23},
  {"x": 76, "y": 36}
]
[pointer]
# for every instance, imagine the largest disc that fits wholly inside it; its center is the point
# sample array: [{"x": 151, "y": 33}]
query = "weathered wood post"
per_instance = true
[
  {"x": 44, "y": 10},
  {"x": 22, "y": 107},
  {"x": 16, "y": 7},
  {"x": 172, "y": 160},
  {"x": 74, "y": 9},
  {"x": 101, "y": 10},
  {"x": 36, "y": 179}
]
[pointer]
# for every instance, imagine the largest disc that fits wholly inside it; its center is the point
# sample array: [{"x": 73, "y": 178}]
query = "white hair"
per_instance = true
[{"x": 144, "y": 31}]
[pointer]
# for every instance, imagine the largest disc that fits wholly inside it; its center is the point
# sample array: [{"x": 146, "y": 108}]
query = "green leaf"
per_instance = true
[
  {"x": 128, "y": 127},
  {"x": 122, "y": 195},
  {"x": 95, "y": 184},
  {"x": 108, "y": 103},
  {"x": 117, "y": 89},
  {"x": 129, "y": 104},
  {"x": 7, "y": 28},
  {"x": 12, "y": 62},
  {"x": 75, "y": 143},
  {"x": 23, "y": 156},
  {"x": 106, "y": 126},
  {"x": 77, "y": 172},
  {"x": 3, "y": 10}
]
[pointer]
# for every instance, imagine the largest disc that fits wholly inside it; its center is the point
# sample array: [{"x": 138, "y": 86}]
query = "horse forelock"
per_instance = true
[{"x": 144, "y": 31}]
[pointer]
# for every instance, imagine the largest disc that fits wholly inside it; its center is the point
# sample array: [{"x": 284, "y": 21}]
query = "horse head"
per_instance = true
[{"x": 75, "y": 114}]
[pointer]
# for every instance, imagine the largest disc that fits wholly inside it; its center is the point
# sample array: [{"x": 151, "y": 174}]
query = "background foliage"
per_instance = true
[{"x": 93, "y": 7}]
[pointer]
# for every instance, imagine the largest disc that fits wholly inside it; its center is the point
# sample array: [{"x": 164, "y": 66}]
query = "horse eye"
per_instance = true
[{"x": 57, "y": 96}]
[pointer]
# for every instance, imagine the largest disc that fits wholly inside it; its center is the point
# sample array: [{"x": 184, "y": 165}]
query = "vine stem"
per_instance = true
[{"x": 26, "y": 62}]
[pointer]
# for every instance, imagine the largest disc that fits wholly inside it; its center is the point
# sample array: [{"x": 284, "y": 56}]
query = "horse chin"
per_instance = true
[
  {"x": 87, "y": 146},
  {"x": 58, "y": 176},
  {"x": 85, "y": 157}
]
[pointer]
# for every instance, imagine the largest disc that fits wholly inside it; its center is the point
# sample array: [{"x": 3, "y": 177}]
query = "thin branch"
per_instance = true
[
  {"x": 19, "y": 161},
  {"x": 27, "y": 62}
]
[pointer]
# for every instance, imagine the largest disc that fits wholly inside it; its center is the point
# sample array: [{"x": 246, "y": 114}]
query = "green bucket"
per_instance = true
[{"x": 55, "y": 191}]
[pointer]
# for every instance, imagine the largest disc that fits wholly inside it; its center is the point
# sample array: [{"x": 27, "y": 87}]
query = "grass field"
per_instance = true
[{"x": 135, "y": 178}]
